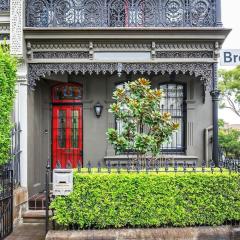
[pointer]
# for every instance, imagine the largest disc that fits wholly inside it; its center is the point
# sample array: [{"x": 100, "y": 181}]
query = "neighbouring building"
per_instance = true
[
  {"x": 232, "y": 126},
  {"x": 74, "y": 53}
]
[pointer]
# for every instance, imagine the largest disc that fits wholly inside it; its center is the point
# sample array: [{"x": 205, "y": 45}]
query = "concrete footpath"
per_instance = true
[{"x": 28, "y": 231}]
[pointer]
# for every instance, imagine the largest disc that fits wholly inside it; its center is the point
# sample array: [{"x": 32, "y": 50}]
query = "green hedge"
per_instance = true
[
  {"x": 149, "y": 200},
  {"x": 8, "y": 69}
]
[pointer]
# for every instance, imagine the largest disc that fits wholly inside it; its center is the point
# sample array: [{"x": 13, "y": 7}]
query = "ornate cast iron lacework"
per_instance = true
[
  {"x": 121, "y": 13},
  {"x": 184, "y": 54},
  {"x": 202, "y": 70},
  {"x": 61, "y": 54},
  {"x": 4, "y": 5}
]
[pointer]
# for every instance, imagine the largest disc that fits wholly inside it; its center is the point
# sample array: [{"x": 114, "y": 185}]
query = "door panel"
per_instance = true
[{"x": 67, "y": 141}]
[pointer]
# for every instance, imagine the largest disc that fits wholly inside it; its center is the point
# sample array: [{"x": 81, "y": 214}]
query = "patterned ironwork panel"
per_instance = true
[
  {"x": 4, "y": 5},
  {"x": 61, "y": 54},
  {"x": 121, "y": 13},
  {"x": 184, "y": 54}
]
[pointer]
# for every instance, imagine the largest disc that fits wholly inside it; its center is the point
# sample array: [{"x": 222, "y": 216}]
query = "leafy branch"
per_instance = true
[
  {"x": 8, "y": 69},
  {"x": 144, "y": 127},
  {"x": 229, "y": 85}
]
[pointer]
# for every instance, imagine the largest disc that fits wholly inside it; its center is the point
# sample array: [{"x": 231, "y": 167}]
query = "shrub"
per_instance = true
[
  {"x": 8, "y": 68},
  {"x": 149, "y": 200},
  {"x": 229, "y": 140}
]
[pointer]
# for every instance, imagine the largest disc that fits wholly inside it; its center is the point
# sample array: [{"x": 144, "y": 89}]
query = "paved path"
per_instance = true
[{"x": 28, "y": 231}]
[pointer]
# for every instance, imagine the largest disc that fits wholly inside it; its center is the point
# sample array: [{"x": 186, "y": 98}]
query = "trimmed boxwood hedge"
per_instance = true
[
  {"x": 8, "y": 70},
  {"x": 149, "y": 200}
]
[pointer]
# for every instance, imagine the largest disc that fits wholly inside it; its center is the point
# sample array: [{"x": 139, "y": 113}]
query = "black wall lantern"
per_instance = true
[{"x": 98, "y": 109}]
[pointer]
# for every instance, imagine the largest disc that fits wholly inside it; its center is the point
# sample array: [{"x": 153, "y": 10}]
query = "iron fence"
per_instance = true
[
  {"x": 15, "y": 154},
  {"x": 121, "y": 13},
  {"x": 159, "y": 165},
  {"x": 6, "y": 202},
  {"x": 138, "y": 166},
  {"x": 9, "y": 179}
]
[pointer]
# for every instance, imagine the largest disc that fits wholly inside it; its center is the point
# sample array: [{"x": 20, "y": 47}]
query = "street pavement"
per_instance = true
[{"x": 28, "y": 231}]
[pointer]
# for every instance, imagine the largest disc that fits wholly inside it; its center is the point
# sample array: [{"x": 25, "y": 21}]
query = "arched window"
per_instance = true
[{"x": 173, "y": 102}]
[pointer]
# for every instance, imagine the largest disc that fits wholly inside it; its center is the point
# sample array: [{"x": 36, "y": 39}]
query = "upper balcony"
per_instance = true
[
  {"x": 4, "y": 5},
  {"x": 123, "y": 13}
]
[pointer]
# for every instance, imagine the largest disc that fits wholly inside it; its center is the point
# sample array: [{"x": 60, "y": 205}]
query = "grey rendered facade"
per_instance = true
[{"x": 100, "y": 45}]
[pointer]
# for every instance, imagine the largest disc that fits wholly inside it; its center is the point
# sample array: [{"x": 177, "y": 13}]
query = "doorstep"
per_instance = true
[
  {"x": 35, "y": 216},
  {"x": 195, "y": 233}
]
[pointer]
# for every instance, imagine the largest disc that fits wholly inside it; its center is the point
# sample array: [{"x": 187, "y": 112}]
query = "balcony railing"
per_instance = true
[
  {"x": 4, "y": 5},
  {"x": 122, "y": 13}
]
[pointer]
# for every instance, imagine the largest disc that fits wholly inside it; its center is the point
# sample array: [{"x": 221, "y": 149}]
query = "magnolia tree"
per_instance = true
[{"x": 143, "y": 127}]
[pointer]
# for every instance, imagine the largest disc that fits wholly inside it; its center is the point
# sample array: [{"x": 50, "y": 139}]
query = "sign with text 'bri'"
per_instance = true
[{"x": 230, "y": 57}]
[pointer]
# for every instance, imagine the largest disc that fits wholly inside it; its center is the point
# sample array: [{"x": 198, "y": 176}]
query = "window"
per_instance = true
[
  {"x": 70, "y": 92},
  {"x": 173, "y": 102},
  {"x": 75, "y": 128},
  {"x": 119, "y": 123},
  {"x": 62, "y": 129}
]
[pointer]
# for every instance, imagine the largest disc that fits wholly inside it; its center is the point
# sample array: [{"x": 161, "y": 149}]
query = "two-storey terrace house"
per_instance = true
[{"x": 74, "y": 53}]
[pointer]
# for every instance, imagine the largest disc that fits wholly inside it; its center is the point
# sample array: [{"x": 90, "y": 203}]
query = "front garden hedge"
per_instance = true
[
  {"x": 149, "y": 200},
  {"x": 8, "y": 71}
]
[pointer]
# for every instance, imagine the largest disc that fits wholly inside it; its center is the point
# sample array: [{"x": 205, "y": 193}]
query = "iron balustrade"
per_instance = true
[
  {"x": 4, "y": 5},
  {"x": 123, "y": 13}
]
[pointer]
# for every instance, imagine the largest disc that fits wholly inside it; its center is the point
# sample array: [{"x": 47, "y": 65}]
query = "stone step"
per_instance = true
[{"x": 35, "y": 216}]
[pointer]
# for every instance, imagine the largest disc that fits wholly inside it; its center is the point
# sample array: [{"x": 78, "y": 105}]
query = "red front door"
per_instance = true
[{"x": 67, "y": 142}]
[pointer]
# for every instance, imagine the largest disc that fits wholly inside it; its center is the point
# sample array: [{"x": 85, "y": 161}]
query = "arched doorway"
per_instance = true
[{"x": 67, "y": 125}]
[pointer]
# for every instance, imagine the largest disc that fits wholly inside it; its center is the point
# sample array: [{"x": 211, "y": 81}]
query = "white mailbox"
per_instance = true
[{"x": 62, "y": 182}]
